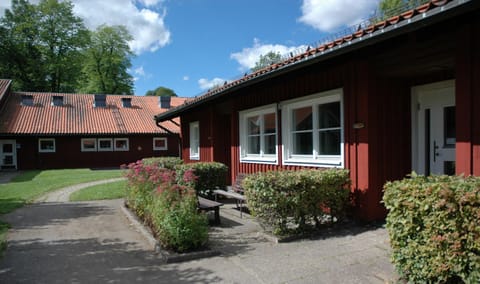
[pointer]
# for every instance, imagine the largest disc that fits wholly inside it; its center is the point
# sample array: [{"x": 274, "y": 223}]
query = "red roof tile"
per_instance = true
[
  {"x": 4, "y": 84},
  {"x": 77, "y": 115}
]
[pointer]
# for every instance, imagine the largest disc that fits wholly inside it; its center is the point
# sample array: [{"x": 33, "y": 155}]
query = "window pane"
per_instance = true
[
  {"x": 270, "y": 144},
  {"x": 254, "y": 145},
  {"x": 160, "y": 143},
  {"x": 449, "y": 126},
  {"x": 7, "y": 148},
  {"x": 302, "y": 119},
  {"x": 46, "y": 145},
  {"x": 254, "y": 125},
  {"x": 121, "y": 144},
  {"x": 302, "y": 143},
  {"x": 329, "y": 142},
  {"x": 269, "y": 123},
  {"x": 329, "y": 115},
  {"x": 105, "y": 144},
  {"x": 89, "y": 144}
]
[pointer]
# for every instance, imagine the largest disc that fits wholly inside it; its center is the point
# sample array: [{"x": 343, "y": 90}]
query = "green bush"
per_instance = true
[
  {"x": 434, "y": 228},
  {"x": 163, "y": 162},
  {"x": 175, "y": 219},
  {"x": 209, "y": 176},
  {"x": 292, "y": 202}
]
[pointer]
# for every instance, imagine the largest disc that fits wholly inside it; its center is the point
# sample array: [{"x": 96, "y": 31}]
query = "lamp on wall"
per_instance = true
[{"x": 358, "y": 125}]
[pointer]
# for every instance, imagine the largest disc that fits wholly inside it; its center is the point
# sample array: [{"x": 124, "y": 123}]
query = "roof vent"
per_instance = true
[
  {"x": 57, "y": 101},
  {"x": 100, "y": 101},
  {"x": 27, "y": 100},
  {"x": 127, "y": 102},
  {"x": 165, "y": 101}
]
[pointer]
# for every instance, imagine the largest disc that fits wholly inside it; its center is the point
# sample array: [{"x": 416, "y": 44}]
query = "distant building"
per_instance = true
[{"x": 53, "y": 130}]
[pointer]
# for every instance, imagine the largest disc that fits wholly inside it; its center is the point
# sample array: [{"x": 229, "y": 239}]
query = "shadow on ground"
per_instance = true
[{"x": 91, "y": 261}]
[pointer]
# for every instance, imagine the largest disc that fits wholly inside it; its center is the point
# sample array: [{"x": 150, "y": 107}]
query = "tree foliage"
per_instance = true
[
  {"x": 266, "y": 60},
  {"x": 107, "y": 60},
  {"x": 390, "y": 8},
  {"x": 45, "y": 48},
  {"x": 161, "y": 91}
]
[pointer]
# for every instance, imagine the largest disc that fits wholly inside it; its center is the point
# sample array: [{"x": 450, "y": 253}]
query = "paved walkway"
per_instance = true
[{"x": 85, "y": 242}]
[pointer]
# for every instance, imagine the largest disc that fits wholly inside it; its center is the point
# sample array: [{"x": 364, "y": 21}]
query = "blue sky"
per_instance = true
[{"x": 191, "y": 45}]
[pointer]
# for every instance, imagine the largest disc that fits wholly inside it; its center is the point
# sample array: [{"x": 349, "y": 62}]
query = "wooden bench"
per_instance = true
[
  {"x": 210, "y": 205},
  {"x": 236, "y": 192}
]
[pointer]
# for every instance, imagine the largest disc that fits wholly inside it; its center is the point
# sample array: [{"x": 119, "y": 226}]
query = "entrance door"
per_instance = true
[
  {"x": 435, "y": 135},
  {"x": 8, "y": 154}
]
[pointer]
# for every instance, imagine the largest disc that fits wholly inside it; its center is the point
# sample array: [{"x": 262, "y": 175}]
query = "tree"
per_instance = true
[
  {"x": 107, "y": 60},
  {"x": 266, "y": 60},
  {"x": 161, "y": 91},
  {"x": 62, "y": 38},
  {"x": 390, "y": 8},
  {"x": 20, "y": 55}
]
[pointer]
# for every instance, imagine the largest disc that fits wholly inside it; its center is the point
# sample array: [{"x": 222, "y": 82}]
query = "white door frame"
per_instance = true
[
  {"x": 14, "y": 152},
  {"x": 419, "y": 159}
]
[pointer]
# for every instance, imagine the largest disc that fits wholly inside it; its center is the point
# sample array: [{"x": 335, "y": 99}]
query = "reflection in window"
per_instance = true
[{"x": 449, "y": 126}]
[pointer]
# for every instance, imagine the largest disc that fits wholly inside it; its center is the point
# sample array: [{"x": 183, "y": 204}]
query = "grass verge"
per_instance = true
[{"x": 112, "y": 190}]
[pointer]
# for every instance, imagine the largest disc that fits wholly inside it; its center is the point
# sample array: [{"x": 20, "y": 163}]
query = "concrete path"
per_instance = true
[{"x": 93, "y": 242}]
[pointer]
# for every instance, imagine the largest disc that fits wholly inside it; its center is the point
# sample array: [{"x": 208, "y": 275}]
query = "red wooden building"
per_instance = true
[
  {"x": 52, "y": 130},
  {"x": 387, "y": 99}
]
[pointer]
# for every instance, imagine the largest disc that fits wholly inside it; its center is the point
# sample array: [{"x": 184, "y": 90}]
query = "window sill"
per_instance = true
[
  {"x": 313, "y": 163},
  {"x": 259, "y": 161},
  {"x": 195, "y": 158}
]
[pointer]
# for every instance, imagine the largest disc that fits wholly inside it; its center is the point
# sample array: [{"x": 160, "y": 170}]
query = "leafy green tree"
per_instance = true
[
  {"x": 266, "y": 60},
  {"x": 20, "y": 54},
  {"x": 62, "y": 38},
  {"x": 107, "y": 60},
  {"x": 161, "y": 91},
  {"x": 390, "y": 8}
]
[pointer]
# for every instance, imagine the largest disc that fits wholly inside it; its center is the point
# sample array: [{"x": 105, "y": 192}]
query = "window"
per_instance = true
[
  {"x": 89, "y": 145},
  {"x": 46, "y": 145},
  {"x": 100, "y": 101},
  {"x": 57, "y": 101},
  {"x": 194, "y": 141},
  {"x": 313, "y": 130},
  {"x": 258, "y": 135},
  {"x": 160, "y": 144},
  {"x": 27, "y": 100},
  {"x": 105, "y": 144},
  {"x": 121, "y": 144}
]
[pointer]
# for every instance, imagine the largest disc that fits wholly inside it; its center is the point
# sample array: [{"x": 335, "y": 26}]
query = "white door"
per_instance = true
[
  {"x": 435, "y": 137},
  {"x": 8, "y": 154}
]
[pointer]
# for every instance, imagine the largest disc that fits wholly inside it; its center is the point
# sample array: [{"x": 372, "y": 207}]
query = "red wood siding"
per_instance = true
[{"x": 68, "y": 153}]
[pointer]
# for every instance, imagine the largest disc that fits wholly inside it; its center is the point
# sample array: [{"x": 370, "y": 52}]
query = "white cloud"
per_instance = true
[
  {"x": 146, "y": 25},
  {"x": 327, "y": 15},
  {"x": 186, "y": 78},
  {"x": 250, "y": 55},
  {"x": 139, "y": 71},
  {"x": 206, "y": 84}
]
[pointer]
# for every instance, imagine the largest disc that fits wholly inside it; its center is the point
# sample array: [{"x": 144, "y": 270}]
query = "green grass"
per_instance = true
[
  {"x": 111, "y": 190},
  {"x": 32, "y": 184}
]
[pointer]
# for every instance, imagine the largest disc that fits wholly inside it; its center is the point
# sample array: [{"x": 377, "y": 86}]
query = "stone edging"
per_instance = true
[{"x": 166, "y": 256}]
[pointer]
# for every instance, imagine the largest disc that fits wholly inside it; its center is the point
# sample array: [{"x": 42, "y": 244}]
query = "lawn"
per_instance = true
[
  {"x": 111, "y": 190},
  {"x": 30, "y": 185}
]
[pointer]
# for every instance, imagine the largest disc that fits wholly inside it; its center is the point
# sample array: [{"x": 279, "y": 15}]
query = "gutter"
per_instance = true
[{"x": 430, "y": 17}]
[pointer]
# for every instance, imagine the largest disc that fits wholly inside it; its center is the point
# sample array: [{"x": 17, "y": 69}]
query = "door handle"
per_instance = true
[{"x": 435, "y": 152}]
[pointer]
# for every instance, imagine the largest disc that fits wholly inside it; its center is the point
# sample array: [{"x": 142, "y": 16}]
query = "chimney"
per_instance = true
[
  {"x": 127, "y": 102},
  {"x": 57, "y": 101},
  {"x": 165, "y": 101},
  {"x": 100, "y": 101}
]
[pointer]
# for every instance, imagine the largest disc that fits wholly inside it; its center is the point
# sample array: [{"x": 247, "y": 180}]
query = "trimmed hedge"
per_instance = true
[
  {"x": 293, "y": 202},
  {"x": 210, "y": 176},
  {"x": 434, "y": 228},
  {"x": 163, "y": 162}
]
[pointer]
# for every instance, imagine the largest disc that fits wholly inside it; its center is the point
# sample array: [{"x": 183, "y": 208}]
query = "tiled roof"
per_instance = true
[
  {"x": 77, "y": 115},
  {"x": 4, "y": 84},
  {"x": 352, "y": 38}
]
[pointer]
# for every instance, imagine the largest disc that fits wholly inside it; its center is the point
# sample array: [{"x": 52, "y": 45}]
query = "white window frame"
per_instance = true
[
  {"x": 121, "y": 149},
  {"x": 315, "y": 159},
  {"x": 260, "y": 158},
  {"x": 100, "y": 149},
  {"x": 89, "y": 149},
  {"x": 40, "y": 150},
  {"x": 194, "y": 126},
  {"x": 164, "y": 139}
]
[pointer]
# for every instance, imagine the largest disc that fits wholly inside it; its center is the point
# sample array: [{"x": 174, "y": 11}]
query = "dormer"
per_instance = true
[
  {"x": 100, "y": 101},
  {"x": 27, "y": 100},
  {"x": 57, "y": 101},
  {"x": 127, "y": 102},
  {"x": 164, "y": 101}
]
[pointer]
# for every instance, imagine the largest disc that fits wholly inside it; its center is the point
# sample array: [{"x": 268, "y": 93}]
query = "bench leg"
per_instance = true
[{"x": 217, "y": 216}]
